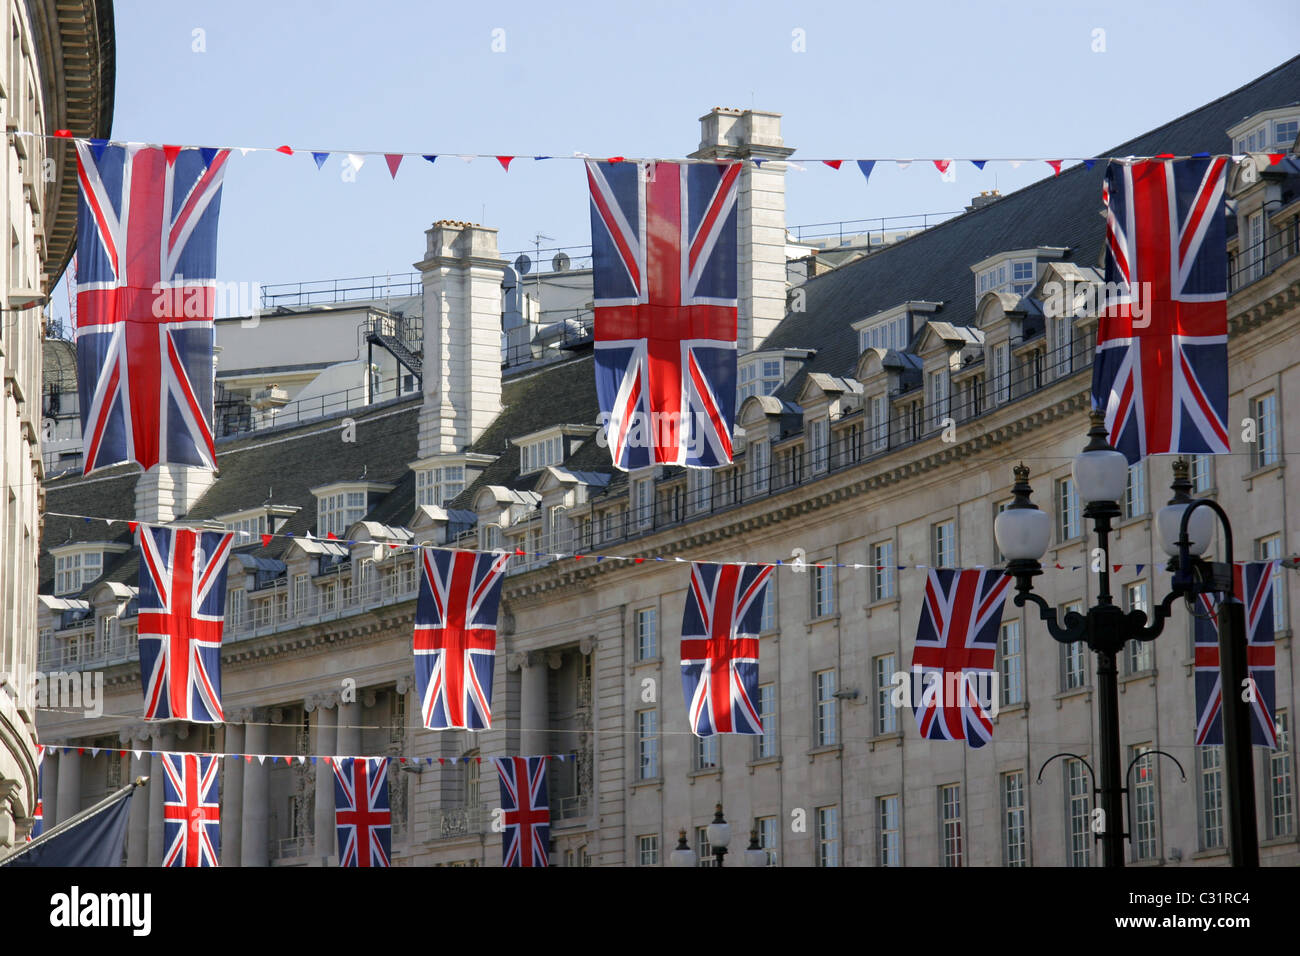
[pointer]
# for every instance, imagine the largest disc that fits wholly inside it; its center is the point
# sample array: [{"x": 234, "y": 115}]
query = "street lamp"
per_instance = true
[
  {"x": 683, "y": 855},
  {"x": 1022, "y": 533},
  {"x": 719, "y": 832},
  {"x": 755, "y": 855}
]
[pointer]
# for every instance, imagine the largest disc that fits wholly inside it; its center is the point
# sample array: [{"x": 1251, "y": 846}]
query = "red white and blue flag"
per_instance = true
[
  {"x": 38, "y": 818},
  {"x": 146, "y": 271},
  {"x": 1161, "y": 368},
  {"x": 361, "y": 811},
  {"x": 191, "y": 816},
  {"x": 526, "y": 812},
  {"x": 456, "y": 636},
  {"x": 720, "y": 626},
  {"x": 953, "y": 662},
  {"x": 182, "y": 610},
  {"x": 663, "y": 239},
  {"x": 1253, "y": 583}
]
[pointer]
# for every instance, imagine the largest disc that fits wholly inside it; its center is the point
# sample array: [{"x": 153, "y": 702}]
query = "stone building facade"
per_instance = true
[
  {"x": 56, "y": 73},
  {"x": 884, "y": 418}
]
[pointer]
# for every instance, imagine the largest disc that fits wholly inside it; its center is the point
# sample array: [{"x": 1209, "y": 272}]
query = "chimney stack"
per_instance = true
[
  {"x": 462, "y": 274},
  {"x": 731, "y": 134}
]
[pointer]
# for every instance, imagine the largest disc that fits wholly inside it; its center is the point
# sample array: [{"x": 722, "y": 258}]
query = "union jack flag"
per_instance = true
[
  {"x": 191, "y": 816},
  {"x": 456, "y": 637},
  {"x": 146, "y": 268},
  {"x": 720, "y": 625},
  {"x": 361, "y": 811},
  {"x": 526, "y": 840},
  {"x": 1253, "y": 585},
  {"x": 38, "y": 818},
  {"x": 663, "y": 239},
  {"x": 182, "y": 609},
  {"x": 1161, "y": 370},
  {"x": 956, "y": 643}
]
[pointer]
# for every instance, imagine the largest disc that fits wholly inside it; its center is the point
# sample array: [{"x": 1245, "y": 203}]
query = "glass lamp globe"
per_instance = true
[
  {"x": 683, "y": 855},
  {"x": 755, "y": 855},
  {"x": 719, "y": 830},
  {"x": 1200, "y": 528},
  {"x": 1022, "y": 533}
]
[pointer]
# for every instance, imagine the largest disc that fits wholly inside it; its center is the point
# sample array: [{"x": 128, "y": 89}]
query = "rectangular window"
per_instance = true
[
  {"x": 822, "y": 581},
  {"x": 1078, "y": 813},
  {"x": 768, "y": 835},
  {"x": 761, "y": 454},
  {"x": 1284, "y": 134},
  {"x": 883, "y": 677},
  {"x": 878, "y": 423},
  {"x": 1011, "y": 663},
  {"x": 819, "y": 443},
  {"x": 765, "y": 744},
  {"x": 1014, "y": 839},
  {"x": 768, "y": 622},
  {"x": 937, "y": 396},
  {"x": 950, "y": 824},
  {"x": 882, "y": 571},
  {"x": 1143, "y": 795},
  {"x": 943, "y": 538},
  {"x": 647, "y": 850},
  {"x": 828, "y": 836},
  {"x": 1000, "y": 373},
  {"x": 647, "y": 633},
  {"x": 1267, "y": 549},
  {"x": 235, "y": 607},
  {"x": 1202, "y": 473},
  {"x": 1135, "y": 491},
  {"x": 301, "y": 582},
  {"x": 1267, "y": 449},
  {"x": 825, "y": 731},
  {"x": 1067, "y": 510},
  {"x": 647, "y": 744},
  {"x": 1281, "y": 809},
  {"x": 1211, "y": 792},
  {"x": 1074, "y": 657},
  {"x": 642, "y": 501},
  {"x": 1141, "y": 654},
  {"x": 1022, "y": 276},
  {"x": 706, "y": 752},
  {"x": 889, "y": 844}
]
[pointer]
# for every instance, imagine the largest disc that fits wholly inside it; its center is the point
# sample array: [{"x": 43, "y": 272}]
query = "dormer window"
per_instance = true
[
  {"x": 539, "y": 454},
  {"x": 760, "y": 376},
  {"x": 438, "y": 486},
  {"x": 1015, "y": 276},
  {"x": 343, "y": 504},
  {"x": 894, "y": 334},
  {"x": 267, "y": 519},
  {"x": 74, "y": 571},
  {"x": 1266, "y": 131}
]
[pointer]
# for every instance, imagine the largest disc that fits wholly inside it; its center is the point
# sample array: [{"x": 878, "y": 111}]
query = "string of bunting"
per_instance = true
[
  {"x": 287, "y": 758},
  {"x": 247, "y": 537},
  {"x": 356, "y": 158}
]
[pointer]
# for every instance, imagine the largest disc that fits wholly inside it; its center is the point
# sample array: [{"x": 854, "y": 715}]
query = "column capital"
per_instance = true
[
  {"x": 404, "y": 684},
  {"x": 587, "y": 645},
  {"x": 516, "y": 661}
]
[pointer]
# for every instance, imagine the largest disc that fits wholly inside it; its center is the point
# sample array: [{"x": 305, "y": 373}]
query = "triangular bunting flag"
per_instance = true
[
  {"x": 505, "y": 162},
  {"x": 431, "y": 157},
  {"x": 245, "y": 150},
  {"x": 393, "y": 160},
  {"x": 833, "y": 163},
  {"x": 902, "y": 163},
  {"x": 284, "y": 149},
  {"x": 978, "y": 163},
  {"x": 866, "y": 165},
  {"x": 266, "y": 540},
  {"x": 1089, "y": 163},
  {"x": 320, "y": 159},
  {"x": 171, "y": 152},
  {"x": 1015, "y": 163},
  {"x": 97, "y": 147},
  {"x": 63, "y": 133},
  {"x": 941, "y": 164},
  {"x": 1056, "y": 166},
  {"x": 1275, "y": 158},
  {"x": 356, "y": 161}
]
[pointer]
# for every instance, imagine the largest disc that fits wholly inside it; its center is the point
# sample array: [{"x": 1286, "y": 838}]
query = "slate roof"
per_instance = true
[
  {"x": 933, "y": 265},
  {"x": 1061, "y": 211}
]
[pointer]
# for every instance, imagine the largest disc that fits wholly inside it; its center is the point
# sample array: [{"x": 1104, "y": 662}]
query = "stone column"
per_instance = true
[
  {"x": 162, "y": 738},
  {"x": 534, "y": 725},
  {"x": 50, "y": 786},
  {"x": 254, "y": 833},
  {"x": 348, "y": 742},
  {"x": 325, "y": 708},
  {"x": 232, "y": 793},
  {"x": 69, "y": 795},
  {"x": 137, "y": 830}
]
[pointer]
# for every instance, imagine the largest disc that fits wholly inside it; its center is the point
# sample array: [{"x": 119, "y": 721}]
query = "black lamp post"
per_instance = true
[
  {"x": 1022, "y": 533},
  {"x": 719, "y": 834}
]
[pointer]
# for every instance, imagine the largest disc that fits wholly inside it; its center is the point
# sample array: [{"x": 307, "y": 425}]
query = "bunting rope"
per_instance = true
[
  {"x": 393, "y": 158},
  {"x": 247, "y": 537}
]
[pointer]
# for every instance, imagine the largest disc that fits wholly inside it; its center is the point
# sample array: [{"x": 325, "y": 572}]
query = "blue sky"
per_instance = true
[{"x": 893, "y": 80}]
